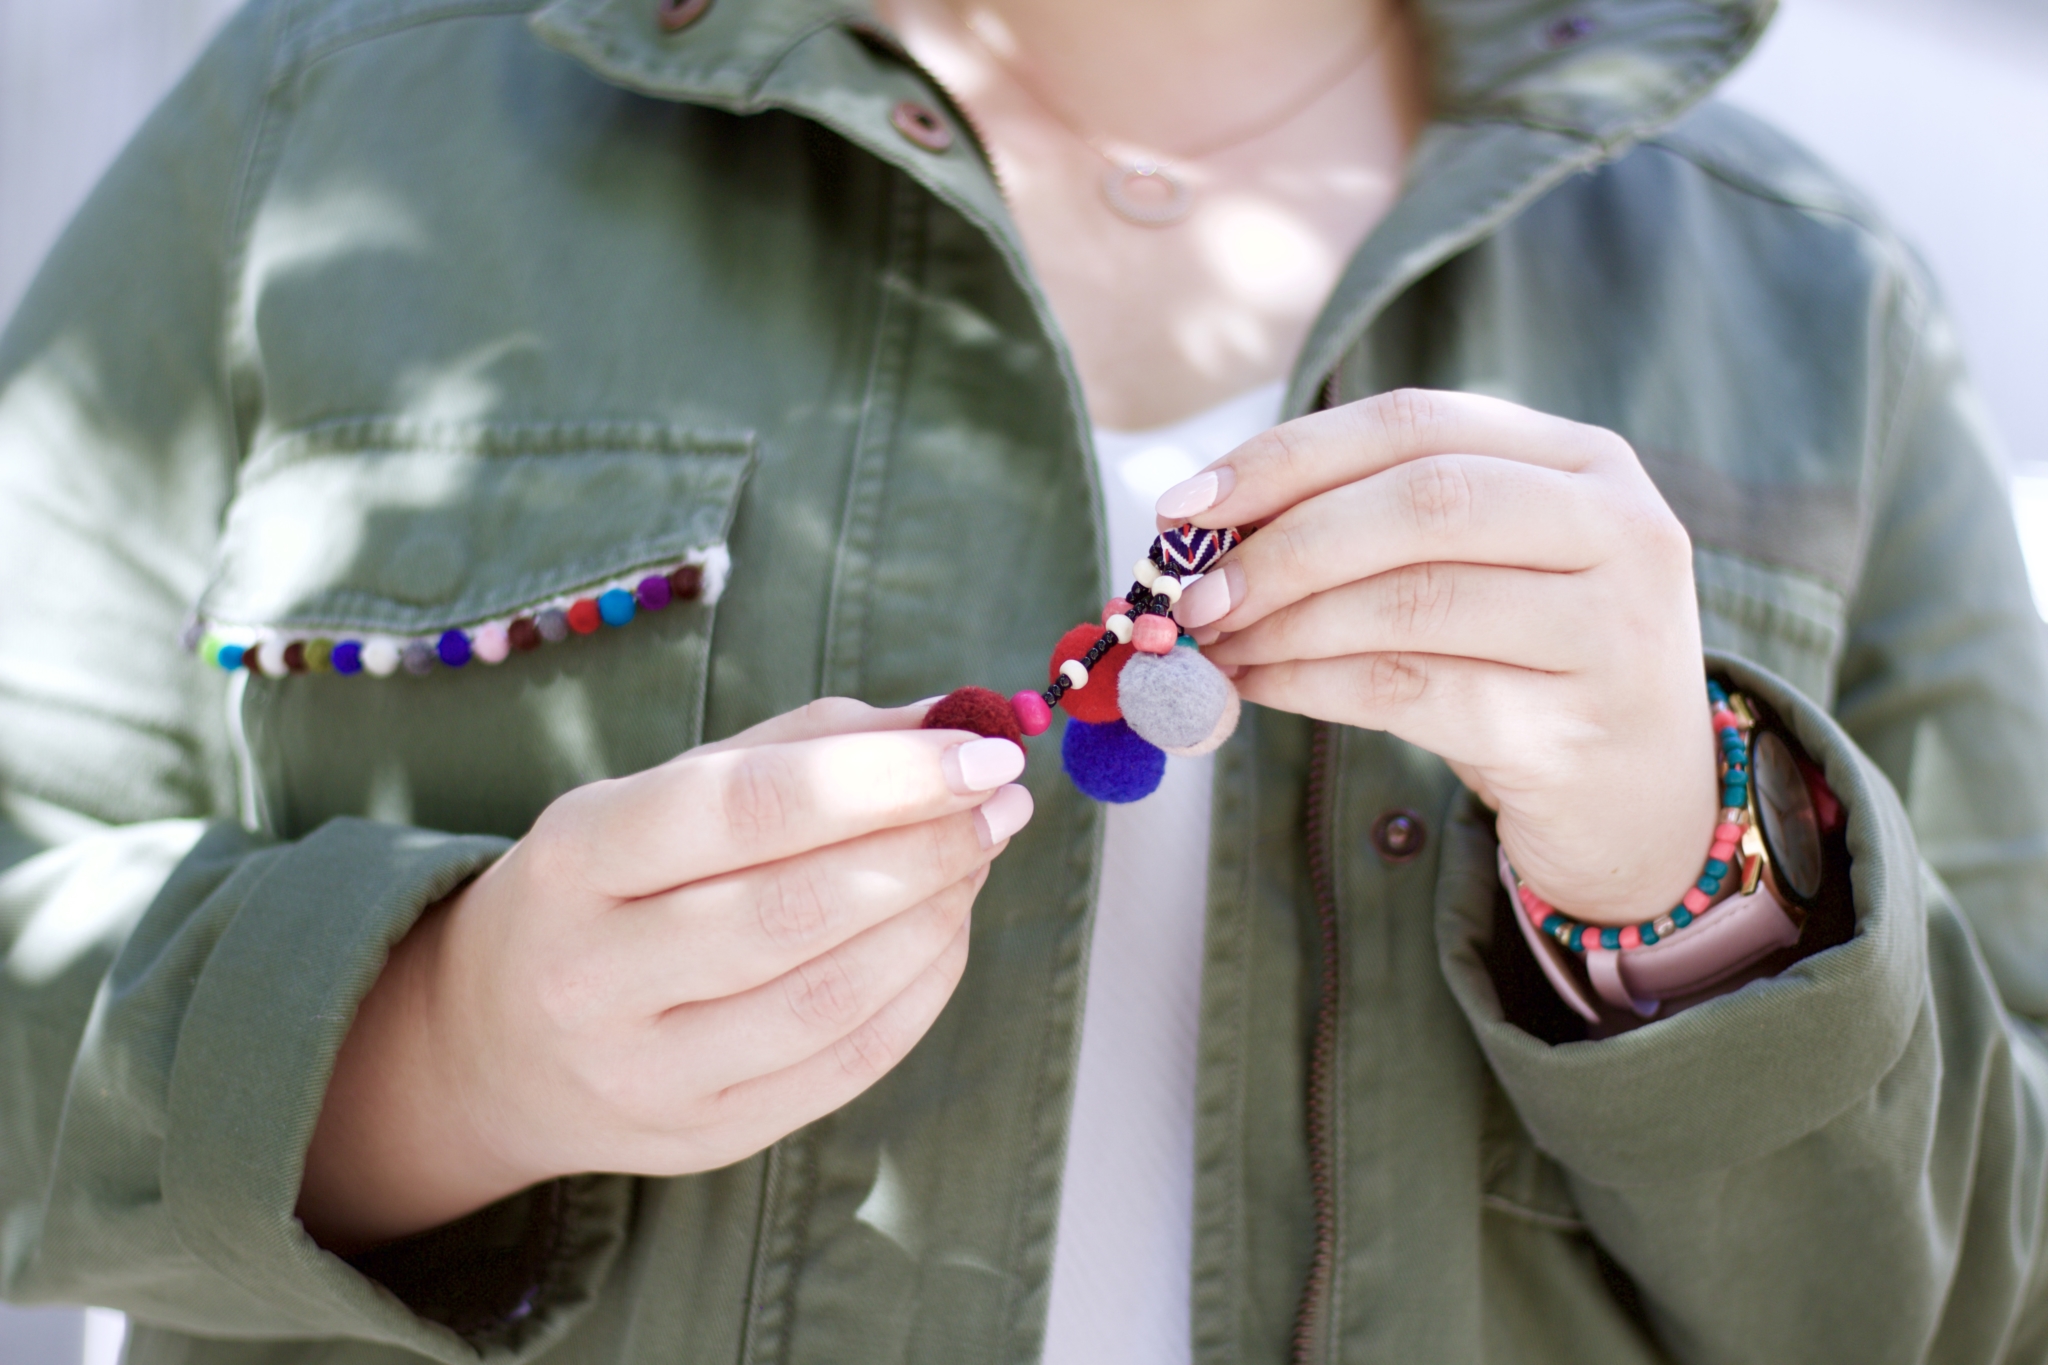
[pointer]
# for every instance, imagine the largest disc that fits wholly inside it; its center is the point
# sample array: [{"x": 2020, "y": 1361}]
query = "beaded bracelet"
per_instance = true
[
  {"x": 1733, "y": 835},
  {"x": 1134, "y": 688}
]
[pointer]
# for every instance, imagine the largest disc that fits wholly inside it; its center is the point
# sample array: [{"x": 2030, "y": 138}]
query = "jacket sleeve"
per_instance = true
[
  {"x": 173, "y": 989},
  {"x": 1849, "y": 1160}
]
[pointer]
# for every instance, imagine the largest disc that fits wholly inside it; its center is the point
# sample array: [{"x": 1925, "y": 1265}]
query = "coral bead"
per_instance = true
[
  {"x": 1697, "y": 901},
  {"x": 1095, "y": 703},
  {"x": 975, "y": 709},
  {"x": 1034, "y": 717},
  {"x": 1631, "y": 937},
  {"x": 1110, "y": 762},
  {"x": 1154, "y": 634}
]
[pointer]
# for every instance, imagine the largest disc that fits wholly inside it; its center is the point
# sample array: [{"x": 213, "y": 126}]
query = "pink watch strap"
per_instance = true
[{"x": 1733, "y": 935}]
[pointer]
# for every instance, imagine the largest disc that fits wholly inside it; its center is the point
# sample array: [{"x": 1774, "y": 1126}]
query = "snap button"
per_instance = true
[
  {"x": 921, "y": 124},
  {"x": 1399, "y": 835},
  {"x": 679, "y": 14},
  {"x": 1571, "y": 29}
]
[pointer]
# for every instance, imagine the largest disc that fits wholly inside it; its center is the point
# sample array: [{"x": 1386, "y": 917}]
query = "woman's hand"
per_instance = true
[
  {"x": 1502, "y": 587},
  {"x": 670, "y": 971}
]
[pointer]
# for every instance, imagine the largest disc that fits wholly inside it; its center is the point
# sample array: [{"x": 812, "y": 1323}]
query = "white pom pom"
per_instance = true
[
  {"x": 1076, "y": 674},
  {"x": 380, "y": 658}
]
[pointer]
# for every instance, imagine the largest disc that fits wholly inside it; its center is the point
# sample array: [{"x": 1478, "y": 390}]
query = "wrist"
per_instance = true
[{"x": 392, "y": 1153}]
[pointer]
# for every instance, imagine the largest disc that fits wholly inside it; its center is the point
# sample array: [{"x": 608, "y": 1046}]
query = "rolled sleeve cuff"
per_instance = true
[
  {"x": 1735, "y": 1077},
  {"x": 267, "y": 1017}
]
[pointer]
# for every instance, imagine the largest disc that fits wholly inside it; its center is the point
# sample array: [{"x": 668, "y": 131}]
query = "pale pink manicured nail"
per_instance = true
[
  {"x": 981, "y": 764},
  {"x": 927, "y": 701},
  {"x": 1192, "y": 497},
  {"x": 1212, "y": 598},
  {"x": 1003, "y": 814}
]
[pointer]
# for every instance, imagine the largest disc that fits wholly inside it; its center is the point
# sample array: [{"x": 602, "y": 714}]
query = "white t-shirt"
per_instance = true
[{"x": 1121, "y": 1263}]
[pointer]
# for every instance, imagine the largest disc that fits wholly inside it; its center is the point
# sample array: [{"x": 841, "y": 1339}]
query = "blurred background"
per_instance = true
[{"x": 1938, "y": 108}]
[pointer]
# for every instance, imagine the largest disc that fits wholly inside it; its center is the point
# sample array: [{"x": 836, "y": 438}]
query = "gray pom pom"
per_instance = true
[{"x": 1176, "y": 700}]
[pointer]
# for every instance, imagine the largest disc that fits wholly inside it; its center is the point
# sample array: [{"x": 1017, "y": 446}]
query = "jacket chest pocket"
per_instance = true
[
  {"x": 1790, "y": 623},
  {"x": 450, "y": 628}
]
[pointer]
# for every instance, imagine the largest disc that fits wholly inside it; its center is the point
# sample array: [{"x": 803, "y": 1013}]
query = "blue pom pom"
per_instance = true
[
  {"x": 615, "y": 608},
  {"x": 1110, "y": 762}
]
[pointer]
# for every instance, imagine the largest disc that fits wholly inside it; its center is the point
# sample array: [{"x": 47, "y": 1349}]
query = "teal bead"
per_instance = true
[
  {"x": 1716, "y": 867},
  {"x": 1649, "y": 933},
  {"x": 1681, "y": 916},
  {"x": 1610, "y": 939},
  {"x": 1577, "y": 943},
  {"x": 1710, "y": 885},
  {"x": 1554, "y": 922}
]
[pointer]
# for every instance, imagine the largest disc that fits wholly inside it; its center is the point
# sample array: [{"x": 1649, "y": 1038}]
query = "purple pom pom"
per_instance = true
[{"x": 1110, "y": 762}]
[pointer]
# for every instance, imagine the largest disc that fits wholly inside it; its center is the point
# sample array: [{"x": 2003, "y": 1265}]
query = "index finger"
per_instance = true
[
  {"x": 1324, "y": 450},
  {"x": 706, "y": 814}
]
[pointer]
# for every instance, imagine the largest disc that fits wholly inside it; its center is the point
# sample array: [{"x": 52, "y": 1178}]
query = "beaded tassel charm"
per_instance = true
[{"x": 1134, "y": 688}]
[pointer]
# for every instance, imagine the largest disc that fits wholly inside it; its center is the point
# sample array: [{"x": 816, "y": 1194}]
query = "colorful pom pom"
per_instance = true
[
  {"x": 348, "y": 658},
  {"x": 1034, "y": 717},
  {"x": 653, "y": 592},
  {"x": 1095, "y": 703},
  {"x": 584, "y": 616},
  {"x": 687, "y": 583},
  {"x": 452, "y": 649},
  {"x": 978, "y": 710},
  {"x": 1110, "y": 762},
  {"x": 229, "y": 657},
  {"x": 1175, "y": 699},
  {"x": 523, "y": 634},
  {"x": 617, "y": 607},
  {"x": 418, "y": 657},
  {"x": 380, "y": 658},
  {"x": 553, "y": 625},
  {"x": 493, "y": 643}
]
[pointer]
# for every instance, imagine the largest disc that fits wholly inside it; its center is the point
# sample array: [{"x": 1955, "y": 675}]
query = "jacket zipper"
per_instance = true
[{"x": 1310, "y": 1318}]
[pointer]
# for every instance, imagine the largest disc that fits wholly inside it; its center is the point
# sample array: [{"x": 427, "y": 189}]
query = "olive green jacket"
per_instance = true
[{"x": 402, "y": 314}]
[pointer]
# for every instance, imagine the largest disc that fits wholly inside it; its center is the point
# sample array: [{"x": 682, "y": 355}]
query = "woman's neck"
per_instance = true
[{"x": 1282, "y": 129}]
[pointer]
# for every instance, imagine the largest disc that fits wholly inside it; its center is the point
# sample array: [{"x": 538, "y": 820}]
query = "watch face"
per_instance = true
[{"x": 1785, "y": 815}]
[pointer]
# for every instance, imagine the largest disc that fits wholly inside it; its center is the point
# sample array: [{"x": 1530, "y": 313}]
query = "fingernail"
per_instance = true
[
  {"x": 1212, "y": 598},
  {"x": 1190, "y": 497},
  {"x": 1206, "y": 635},
  {"x": 927, "y": 701},
  {"x": 981, "y": 765},
  {"x": 1003, "y": 814}
]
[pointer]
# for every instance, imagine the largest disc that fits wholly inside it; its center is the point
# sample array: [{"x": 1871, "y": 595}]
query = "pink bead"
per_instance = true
[
  {"x": 493, "y": 644},
  {"x": 1724, "y": 720},
  {"x": 1632, "y": 936},
  {"x": 1033, "y": 715},
  {"x": 1154, "y": 635},
  {"x": 1115, "y": 606},
  {"x": 1722, "y": 851},
  {"x": 1728, "y": 834},
  {"x": 1697, "y": 901}
]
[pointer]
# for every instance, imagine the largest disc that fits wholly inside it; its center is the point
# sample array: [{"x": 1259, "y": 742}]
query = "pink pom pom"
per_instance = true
[
  {"x": 1033, "y": 715},
  {"x": 1154, "y": 635},
  {"x": 493, "y": 643}
]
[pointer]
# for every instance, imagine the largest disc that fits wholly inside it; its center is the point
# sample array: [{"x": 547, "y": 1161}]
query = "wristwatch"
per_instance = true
[{"x": 1783, "y": 865}]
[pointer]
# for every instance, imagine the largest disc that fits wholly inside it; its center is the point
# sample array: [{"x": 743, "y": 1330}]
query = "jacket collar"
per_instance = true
[{"x": 1525, "y": 93}]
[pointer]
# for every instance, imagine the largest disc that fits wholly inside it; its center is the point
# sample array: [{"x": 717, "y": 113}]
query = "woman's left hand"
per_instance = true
[{"x": 1502, "y": 587}]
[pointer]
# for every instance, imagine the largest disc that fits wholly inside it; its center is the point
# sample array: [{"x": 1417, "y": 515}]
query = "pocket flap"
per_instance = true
[{"x": 391, "y": 528}]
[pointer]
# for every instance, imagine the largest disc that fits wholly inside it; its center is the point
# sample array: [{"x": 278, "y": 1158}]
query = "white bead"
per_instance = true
[
  {"x": 1146, "y": 572},
  {"x": 270, "y": 656},
  {"x": 380, "y": 658},
  {"x": 1076, "y": 674},
  {"x": 1168, "y": 587},
  {"x": 1119, "y": 625}
]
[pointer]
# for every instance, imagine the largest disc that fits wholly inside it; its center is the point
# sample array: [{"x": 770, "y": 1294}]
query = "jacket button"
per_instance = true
[
  {"x": 679, "y": 14},
  {"x": 920, "y": 123},
  {"x": 1399, "y": 835}
]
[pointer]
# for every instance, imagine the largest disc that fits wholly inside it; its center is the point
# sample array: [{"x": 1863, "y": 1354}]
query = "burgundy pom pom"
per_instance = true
[{"x": 976, "y": 709}]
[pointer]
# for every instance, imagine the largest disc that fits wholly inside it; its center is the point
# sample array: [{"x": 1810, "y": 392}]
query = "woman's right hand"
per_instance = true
[{"x": 669, "y": 972}]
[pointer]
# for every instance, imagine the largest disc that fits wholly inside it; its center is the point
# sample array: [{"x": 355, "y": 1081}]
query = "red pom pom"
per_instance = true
[
  {"x": 976, "y": 709},
  {"x": 1095, "y": 703}
]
